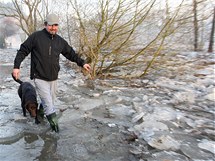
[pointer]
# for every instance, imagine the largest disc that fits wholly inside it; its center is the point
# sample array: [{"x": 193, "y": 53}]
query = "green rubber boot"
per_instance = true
[
  {"x": 52, "y": 118},
  {"x": 41, "y": 111}
]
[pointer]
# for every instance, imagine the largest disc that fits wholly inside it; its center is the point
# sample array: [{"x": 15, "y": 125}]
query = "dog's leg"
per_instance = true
[
  {"x": 37, "y": 120},
  {"x": 24, "y": 111}
]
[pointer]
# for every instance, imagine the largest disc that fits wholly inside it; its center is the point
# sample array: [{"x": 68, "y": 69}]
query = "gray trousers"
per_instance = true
[{"x": 47, "y": 93}]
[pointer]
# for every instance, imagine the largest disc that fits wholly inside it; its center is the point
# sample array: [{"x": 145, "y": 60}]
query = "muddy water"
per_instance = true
[
  {"x": 80, "y": 138},
  {"x": 20, "y": 144},
  {"x": 29, "y": 147},
  {"x": 171, "y": 115}
]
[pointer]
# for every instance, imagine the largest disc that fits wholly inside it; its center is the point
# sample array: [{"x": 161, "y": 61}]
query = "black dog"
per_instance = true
[{"x": 27, "y": 94}]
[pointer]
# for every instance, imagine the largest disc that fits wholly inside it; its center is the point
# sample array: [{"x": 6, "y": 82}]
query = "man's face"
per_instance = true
[{"x": 52, "y": 29}]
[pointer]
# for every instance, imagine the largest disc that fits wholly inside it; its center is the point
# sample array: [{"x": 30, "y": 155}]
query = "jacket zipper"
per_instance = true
[
  {"x": 50, "y": 48},
  {"x": 50, "y": 52}
]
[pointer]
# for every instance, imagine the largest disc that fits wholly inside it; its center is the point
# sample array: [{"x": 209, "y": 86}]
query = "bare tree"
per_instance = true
[
  {"x": 115, "y": 35},
  {"x": 111, "y": 35},
  {"x": 200, "y": 14},
  {"x": 211, "y": 43},
  {"x": 191, "y": 26},
  {"x": 28, "y": 13},
  {"x": 195, "y": 24}
]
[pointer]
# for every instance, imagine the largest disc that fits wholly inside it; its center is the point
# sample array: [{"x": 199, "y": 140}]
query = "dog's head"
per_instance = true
[{"x": 32, "y": 108}]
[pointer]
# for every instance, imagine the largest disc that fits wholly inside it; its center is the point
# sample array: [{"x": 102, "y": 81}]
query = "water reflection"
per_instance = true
[
  {"x": 26, "y": 146},
  {"x": 48, "y": 151},
  {"x": 30, "y": 147}
]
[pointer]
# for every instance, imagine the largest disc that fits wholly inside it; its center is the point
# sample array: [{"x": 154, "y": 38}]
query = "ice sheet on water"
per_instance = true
[
  {"x": 164, "y": 142},
  {"x": 207, "y": 145},
  {"x": 167, "y": 155}
]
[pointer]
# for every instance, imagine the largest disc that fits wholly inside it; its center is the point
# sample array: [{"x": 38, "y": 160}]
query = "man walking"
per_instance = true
[{"x": 45, "y": 47}]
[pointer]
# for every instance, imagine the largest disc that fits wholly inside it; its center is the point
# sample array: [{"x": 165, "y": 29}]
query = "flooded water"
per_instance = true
[
  {"x": 29, "y": 147},
  {"x": 167, "y": 116},
  {"x": 15, "y": 142},
  {"x": 80, "y": 138}
]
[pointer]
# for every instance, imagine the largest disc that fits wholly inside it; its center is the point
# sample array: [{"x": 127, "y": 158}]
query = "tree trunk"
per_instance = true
[
  {"x": 211, "y": 43},
  {"x": 195, "y": 23}
]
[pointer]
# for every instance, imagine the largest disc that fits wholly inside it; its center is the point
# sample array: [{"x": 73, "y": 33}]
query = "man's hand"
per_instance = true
[
  {"x": 16, "y": 73},
  {"x": 87, "y": 67}
]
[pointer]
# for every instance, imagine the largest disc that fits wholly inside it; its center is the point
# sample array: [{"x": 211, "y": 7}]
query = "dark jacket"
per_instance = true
[{"x": 45, "y": 50}]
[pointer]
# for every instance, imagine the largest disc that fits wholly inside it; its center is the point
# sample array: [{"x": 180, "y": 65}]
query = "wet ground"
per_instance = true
[
  {"x": 168, "y": 116},
  {"x": 80, "y": 137}
]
